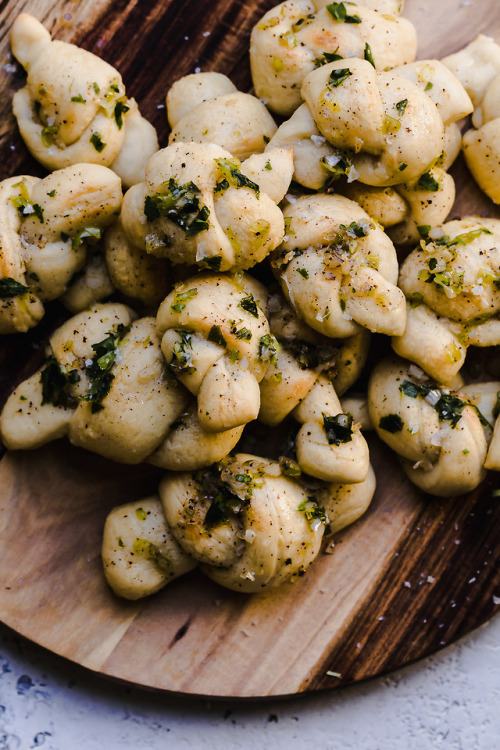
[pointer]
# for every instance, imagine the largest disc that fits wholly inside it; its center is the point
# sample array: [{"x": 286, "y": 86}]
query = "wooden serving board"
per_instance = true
[{"x": 413, "y": 575}]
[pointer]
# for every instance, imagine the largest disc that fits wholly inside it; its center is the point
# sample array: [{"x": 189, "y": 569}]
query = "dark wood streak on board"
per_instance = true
[{"x": 54, "y": 500}]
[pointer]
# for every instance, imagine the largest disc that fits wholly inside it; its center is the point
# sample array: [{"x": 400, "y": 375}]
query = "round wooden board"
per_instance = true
[{"x": 413, "y": 575}]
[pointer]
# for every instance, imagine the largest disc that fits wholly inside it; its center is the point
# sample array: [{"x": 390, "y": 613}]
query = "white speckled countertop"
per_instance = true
[{"x": 451, "y": 700}]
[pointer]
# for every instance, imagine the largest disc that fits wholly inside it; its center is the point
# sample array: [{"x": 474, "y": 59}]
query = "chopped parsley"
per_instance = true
[
  {"x": 48, "y": 135},
  {"x": 289, "y": 467},
  {"x": 180, "y": 204},
  {"x": 120, "y": 109},
  {"x": 223, "y": 501},
  {"x": 56, "y": 384},
  {"x": 402, "y": 166},
  {"x": 52, "y": 193},
  {"x": 182, "y": 298},
  {"x": 244, "y": 334},
  {"x": 232, "y": 177},
  {"x": 182, "y": 358},
  {"x": 368, "y": 56},
  {"x": 11, "y": 288},
  {"x": 250, "y": 305},
  {"x": 213, "y": 263},
  {"x": 147, "y": 549},
  {"x": 423, "y": 230},
  {"x": 449, "y": 408},
  {"x": 99, "y": 371},
  {"x": 428, "y": 86},
  {"x": 91, "y": 234},
  {"x": 327, "y": 57},
  {"x": 338, "y": 76},
  {"x": 269, "y": 349},
  {"x": 312, "y": 511},
  {"x": 79, "y": 98},
  {"x": 339, "y": 13},
  {"x": 416, "y": 300},
  {"x": 96, "y": 88},
  {"x": 215, "y": 335},
  {"x": 24, "y": 205},
  {"x": 401, "y": 106},
  {"x": 427, "y": 182},
  {"x": 338, "y": 429},
  {"x": 97, "y": 142},
  {"x": 338, "y": 165},
  {"x": 356, "y": 229},
  {"x": 303, "y": 272},
  {"x": 391, "y": 423}
]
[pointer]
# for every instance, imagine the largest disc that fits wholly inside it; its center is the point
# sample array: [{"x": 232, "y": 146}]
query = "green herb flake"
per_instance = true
[
  {"x": 268, "y": 165},
  {"x": 427, "y": 182},
  {"x": 180, "y": 204},
  {"x": 52, "y": 193},
  {"x": 99, "y": 371},
  {"x": 269, "y": 349},
  {"x": 266, "y": 139},
  {"x": 145, "y": 548},
  {"x": 212, "y": 263},
  {"x": 120, "y": 109},
  {"x": 303, "y": 272},
  {"x": 244, "y": 334},
  {"x": 428, "y": 86},
  {"x": 312, "y": 510},
  {"x": 91, "y": 234},
  {"x": 416, "y": 300},
  {"x": 182, "y": 358},
  {"x": 402, "y": 166},
  {"x": 215, "y": 335},
  {"x": 337, "y": 77},
  {"x": 24, "y": 205},
  {"x": 356, "y": 229},
  {"x": 11, "y": 288},
  {"x": 338, "y": 429},
  {"x": 448, "y": 407},
  {"x": 250, "y": 305},
  {"x": 423, "y": 230},
  {"x": 182, "y": 298},
  {"x": 56, "y": 384},
  {"x": 48, "y": 134},
  {"x": 391, "y": 423},
  {"x": 368, "y": 56},
  {"x": 327, "y": 57},
  {"x": 97, "y": 142},
  {"x": 79, "y": 99},
  {"x": 96, "y": 88},
  {"x": 401, "y": 106},
  {"x": 120, "y": 542},
  {"x": 339, "y": 13},
  {"x": 230, "y": 169},
  {"x": 289, "y": 467}
]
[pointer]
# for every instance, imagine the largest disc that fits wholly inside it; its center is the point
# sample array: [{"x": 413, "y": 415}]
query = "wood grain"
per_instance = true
[{"x": 412, "y": 576}]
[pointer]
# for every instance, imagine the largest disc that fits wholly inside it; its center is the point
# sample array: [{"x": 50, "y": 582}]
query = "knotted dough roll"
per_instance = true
[
  {"x": 45, "y": 226},
  {"x": 216, "y": 340},
  {"x": 451, "y": 284},
  {"x": 297, "y": 36},
  {"x": 104, "y": 384},
  {"x": 139, "y": 553},
  {"x": 338, "y": 269},
  {"x": 218, "y": 113},
  {"x": 74, "y": 108},
  {"x": 438, "y": 433},
  {"x": 200, "y": 205}
]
